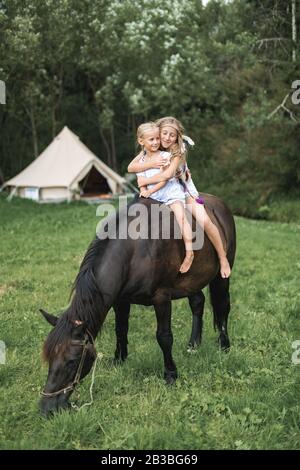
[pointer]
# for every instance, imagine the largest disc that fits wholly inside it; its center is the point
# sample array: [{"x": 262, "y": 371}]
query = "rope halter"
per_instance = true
[{"x": 88, "y": 339}]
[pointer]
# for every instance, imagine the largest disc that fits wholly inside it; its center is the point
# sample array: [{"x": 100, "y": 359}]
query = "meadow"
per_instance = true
[{"x": 245, "y": 399}]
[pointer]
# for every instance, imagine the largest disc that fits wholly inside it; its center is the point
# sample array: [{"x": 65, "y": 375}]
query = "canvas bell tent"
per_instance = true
[{"x": 66, "y": 170}]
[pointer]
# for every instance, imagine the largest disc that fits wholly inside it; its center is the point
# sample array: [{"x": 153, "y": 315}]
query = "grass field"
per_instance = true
[{"x": 246, "y": 399}]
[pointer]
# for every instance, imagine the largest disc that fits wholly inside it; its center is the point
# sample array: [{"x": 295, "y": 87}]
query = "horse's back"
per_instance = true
[{"x": 153, "y": 264}]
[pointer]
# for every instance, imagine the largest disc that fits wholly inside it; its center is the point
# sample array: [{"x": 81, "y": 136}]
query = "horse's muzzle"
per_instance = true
[{"x": 49, "y": 406}]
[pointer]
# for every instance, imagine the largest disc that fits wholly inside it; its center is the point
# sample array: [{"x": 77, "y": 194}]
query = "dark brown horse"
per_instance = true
[{"x": 119, "y": 272}]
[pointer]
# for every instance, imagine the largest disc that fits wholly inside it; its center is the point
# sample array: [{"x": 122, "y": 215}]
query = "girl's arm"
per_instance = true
[
  {"x": 148, "y": 192},
  {"x": 164, "y": 175},
  {"x": 135, "y": 166}
]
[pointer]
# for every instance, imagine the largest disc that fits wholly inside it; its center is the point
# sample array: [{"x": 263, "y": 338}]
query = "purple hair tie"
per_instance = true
[{"x": 200, "y": 200}]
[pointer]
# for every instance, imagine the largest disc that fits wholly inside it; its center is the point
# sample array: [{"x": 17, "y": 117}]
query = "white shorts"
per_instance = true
[{"x": 170, "y": 193}]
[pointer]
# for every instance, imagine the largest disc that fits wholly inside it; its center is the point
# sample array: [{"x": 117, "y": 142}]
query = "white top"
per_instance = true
[{"x": 172, "y": 191}]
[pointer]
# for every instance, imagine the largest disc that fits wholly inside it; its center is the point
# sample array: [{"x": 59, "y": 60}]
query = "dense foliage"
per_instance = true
[{"x": 103, "y": 67}]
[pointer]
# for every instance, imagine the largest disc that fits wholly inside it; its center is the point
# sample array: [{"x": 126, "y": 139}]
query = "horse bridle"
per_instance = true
[{"x": 88, "y": 339}]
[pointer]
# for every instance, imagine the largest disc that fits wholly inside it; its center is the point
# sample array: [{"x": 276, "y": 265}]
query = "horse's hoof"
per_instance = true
[
  {"x": 119, "y": 357},
  {"x": 170, "y": 381},
  {"x": 117, "y": 361},
  {"x": 170, "y": 378},
  {"x": 224, "y": 343}
]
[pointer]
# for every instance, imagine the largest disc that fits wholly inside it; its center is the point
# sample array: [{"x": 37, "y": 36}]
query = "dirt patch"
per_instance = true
[{"x": 4, "y": 288}]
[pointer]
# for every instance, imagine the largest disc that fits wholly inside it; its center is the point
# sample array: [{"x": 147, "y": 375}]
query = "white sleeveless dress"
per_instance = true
[{"x": 171, "y": 192}]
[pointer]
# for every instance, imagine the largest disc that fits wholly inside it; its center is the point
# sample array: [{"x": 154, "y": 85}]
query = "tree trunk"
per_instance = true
[
  {"x": 56, "y": 100},
  {"x": 34, "y": 137},
  {"x": 101, "y": 132},
  {"x": 33, "y": 128},
  {"x": 53, "y": 122},
  {"x": 294, "y": 30},
  {"x": 106, "y": 144},
  {"x": 133, "y": 129}
]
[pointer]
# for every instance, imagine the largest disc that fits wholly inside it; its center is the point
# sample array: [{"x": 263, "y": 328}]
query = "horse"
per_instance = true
[{"x": 117, "y": 272}]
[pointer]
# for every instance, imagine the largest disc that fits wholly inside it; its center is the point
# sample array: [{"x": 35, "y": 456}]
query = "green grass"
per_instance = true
[{"x": 246, "y": 399}]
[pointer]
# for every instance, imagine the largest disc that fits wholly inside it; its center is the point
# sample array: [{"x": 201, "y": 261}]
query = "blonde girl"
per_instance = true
[
  {"x": 169, "y": 192},
  {"x": 171, "y": 136}
]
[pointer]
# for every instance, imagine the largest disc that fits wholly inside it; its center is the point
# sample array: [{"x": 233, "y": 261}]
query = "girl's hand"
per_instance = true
[
  {"x": 159, "y": 161},
  {"x": 145, "y": 193}
]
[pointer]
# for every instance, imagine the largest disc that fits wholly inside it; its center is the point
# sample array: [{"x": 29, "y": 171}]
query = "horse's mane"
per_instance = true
[
  {"x": 85, "y": 304},
  {"x": 87, "y": 299}
]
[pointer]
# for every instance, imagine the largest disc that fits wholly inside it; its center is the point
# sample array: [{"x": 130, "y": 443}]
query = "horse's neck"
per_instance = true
[
  {"x": 112, "y": 271},
  {"x": 93, "y": 298}
]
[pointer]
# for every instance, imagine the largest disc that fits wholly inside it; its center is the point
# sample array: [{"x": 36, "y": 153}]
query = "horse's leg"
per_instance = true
[
  {"x": 164, "y": 338},
  {"x": 122, "y": 310},
  {"x": 196, "y": 302},
  {"x": 220, "y": 299}
]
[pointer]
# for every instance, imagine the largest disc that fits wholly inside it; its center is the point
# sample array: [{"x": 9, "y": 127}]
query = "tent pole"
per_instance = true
[{"x": 12, "y": 193}]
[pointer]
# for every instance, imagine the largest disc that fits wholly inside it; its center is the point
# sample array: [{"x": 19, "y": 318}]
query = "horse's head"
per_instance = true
[{"x": 70, "y": 353}]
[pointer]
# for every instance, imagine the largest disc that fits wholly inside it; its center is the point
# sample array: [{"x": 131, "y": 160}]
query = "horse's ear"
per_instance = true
[
  {"x": 52, "y": 319},
  {"x": 80, "y": 327}
]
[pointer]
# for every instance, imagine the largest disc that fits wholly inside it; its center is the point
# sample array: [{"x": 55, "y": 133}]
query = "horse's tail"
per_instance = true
[{"x": 220, "y": 299}]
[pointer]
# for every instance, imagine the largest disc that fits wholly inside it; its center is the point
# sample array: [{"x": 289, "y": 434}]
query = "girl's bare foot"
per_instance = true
[
  {"x": 224, "y": 267},
  {"x": 187, "y": 262}
]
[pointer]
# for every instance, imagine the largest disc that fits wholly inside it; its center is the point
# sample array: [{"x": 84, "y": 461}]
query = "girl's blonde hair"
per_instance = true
[
  {"x": 145, "y": 128},
  {"x": 177, "y": 149}
]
